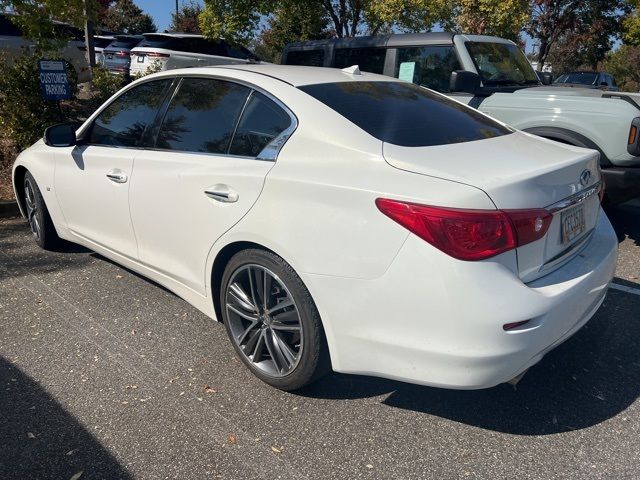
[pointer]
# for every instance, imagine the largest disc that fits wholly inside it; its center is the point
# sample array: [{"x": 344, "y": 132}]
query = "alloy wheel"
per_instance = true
[
  {"x": 32, "y": 209},
  {"x": 264, "y": 320}
]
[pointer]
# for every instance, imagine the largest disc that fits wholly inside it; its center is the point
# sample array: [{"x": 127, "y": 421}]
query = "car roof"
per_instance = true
[
  {"x": 174, "y": 34},
  {"x": 297, "y": 75}
]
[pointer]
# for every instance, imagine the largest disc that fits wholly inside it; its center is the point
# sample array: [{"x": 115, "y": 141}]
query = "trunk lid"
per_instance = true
[
  {"x": 520, "y": 171},
  {"x": 146, "y": 58}
]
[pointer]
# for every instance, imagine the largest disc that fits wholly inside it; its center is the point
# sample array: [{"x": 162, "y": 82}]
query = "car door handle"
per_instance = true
[
  {"x": 222, "y": 193},
  {"x": 117, "y": 176}
]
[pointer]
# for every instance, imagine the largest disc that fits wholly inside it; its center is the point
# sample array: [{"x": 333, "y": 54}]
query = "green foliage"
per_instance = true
[
  {"x": 104, "y": 85},
  {"x": 124, "y": 16},
  {"x": 502, "y": 18},
  {"x": 187, "y": 18},
  {"x": 23, "y": 113},
  {"x": 235, "y": 20},
  {"x": 624, "y": 65}
]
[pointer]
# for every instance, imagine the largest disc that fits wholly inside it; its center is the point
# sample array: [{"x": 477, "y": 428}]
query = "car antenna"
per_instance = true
[{"x": 352, "y": 70}]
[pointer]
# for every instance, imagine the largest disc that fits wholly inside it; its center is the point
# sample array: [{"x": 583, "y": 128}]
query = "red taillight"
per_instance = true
[
  {"x": 468, "y": 234},
  {"x": 153, "y": 54},
  {"x": 123, "y": 54}
]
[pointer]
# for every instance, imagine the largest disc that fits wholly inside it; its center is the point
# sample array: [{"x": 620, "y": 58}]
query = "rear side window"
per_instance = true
[
  {"x": 309, "y": 58},
  {"x": 125, "y": 120},
  {"x": 202, "y": 116},
  {"x": 429, "y": 67},
  {"x": 124, "y": 42},
  {"x": 404, "y": 114},
  {"x": 163, "y": 41},
  {"x": 369, "y": 59},
  {"x": 261, "y": 122}
]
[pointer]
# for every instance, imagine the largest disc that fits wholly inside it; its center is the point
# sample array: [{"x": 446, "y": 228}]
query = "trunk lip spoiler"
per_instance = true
[{"x": 574, "y": 199}]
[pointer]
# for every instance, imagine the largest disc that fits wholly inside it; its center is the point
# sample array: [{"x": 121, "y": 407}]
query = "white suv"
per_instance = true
[
  {"x": 13, "y": 44},
  {"x": 165, "y": 51}
]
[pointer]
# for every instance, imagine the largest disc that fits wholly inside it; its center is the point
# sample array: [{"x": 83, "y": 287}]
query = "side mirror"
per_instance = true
[
  {"x": 61, "y": 135},
  {"x": 546, "y": 78},
  {"x": 464, "y": 81}
]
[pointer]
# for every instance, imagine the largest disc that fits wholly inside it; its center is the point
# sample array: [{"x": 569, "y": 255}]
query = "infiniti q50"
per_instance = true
[{"x": 334, "y": 220}]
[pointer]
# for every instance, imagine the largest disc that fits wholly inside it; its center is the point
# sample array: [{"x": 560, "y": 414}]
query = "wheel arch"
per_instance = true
[
  {"x": 18, "y": 178},
  {"x": 570, "y": 137}
]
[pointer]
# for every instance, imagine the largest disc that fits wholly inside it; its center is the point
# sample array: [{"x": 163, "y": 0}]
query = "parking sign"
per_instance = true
[{"x": 54, "y": 83}]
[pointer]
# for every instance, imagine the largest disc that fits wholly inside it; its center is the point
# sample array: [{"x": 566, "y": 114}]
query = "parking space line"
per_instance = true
[{"x": 624, "y": 288}]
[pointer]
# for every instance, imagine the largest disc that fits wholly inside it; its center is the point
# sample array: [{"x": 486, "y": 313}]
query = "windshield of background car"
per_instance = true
[
  {"x": 583, "y": 78},
  {"x": 404, "y": 114},
  {"x": 501, "y": 64}
]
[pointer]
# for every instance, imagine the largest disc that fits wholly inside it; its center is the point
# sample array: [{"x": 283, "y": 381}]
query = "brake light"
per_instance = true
[
  {"x": 123, "y": 54},
  {"x": 469, "y": 234},
  {"x": 153, "y": 54}
]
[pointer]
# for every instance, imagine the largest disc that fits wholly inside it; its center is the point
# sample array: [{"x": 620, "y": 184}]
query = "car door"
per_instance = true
[
  {"x": 92, "y": 179},
  {"x": 203, "y": 173}
]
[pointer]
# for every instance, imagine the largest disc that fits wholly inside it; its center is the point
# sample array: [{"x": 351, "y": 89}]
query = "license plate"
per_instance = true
[
  {"x": 140, "y": 59},
  {"x": 573, "y": 224}
]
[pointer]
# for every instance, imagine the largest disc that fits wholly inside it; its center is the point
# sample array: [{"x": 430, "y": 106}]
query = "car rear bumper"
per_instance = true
[
  {"x": 437, "y": 321},
  {"x": 622, "y": 184}
]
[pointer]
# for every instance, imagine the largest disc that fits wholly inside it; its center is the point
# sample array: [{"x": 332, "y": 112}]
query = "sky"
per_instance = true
[{"x": 160, "y": 10}]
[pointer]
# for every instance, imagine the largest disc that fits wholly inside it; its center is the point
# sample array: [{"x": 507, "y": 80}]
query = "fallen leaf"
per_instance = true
[
  {"x": 71, "y": 452},
  {"x": 132, "y": 387},
  {"x": 276, "y": 450},
  {"x": 232, "y": 439},
  {"x": 133, "y": 332},
  {"x": 369, "y": 465},
  {"x": 77, "y": 475},
  {"x": 208, "y": 389},
  {"x": 119, "y": 276},
  {"x": 30, "y": 435}
]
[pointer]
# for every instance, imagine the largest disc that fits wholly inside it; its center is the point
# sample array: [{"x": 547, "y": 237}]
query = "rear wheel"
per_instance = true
[
  {"x": 38, "y": 216},
  {"x": 272, "y": 321}
]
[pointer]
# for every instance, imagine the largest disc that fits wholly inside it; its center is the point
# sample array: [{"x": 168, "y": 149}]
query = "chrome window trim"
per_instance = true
[{"x": 576, "y": 198}]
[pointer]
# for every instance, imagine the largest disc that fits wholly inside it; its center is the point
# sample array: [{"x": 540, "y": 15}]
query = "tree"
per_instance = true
[
  {"x": 186, "y": 20},
  {"x": 35, "y": 18},
  {"x": 624, "y": 65},
  {"x": 238, "y": 19},
  {"x": 631, "y": 24},
  {"x": 502, "y": 18},
  {"x": 123, "y": 16},
  {"x": 587, "y": 25}
]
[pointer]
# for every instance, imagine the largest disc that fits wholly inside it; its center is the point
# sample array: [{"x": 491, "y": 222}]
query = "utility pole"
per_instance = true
[
  {"x": 177, "y": 9},
  {"x": 88, "y": 33}
]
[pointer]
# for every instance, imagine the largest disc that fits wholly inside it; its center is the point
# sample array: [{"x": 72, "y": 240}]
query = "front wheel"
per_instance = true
[
  {"x": 38, "y": 216},
  {"x": 272, "y": 321}
]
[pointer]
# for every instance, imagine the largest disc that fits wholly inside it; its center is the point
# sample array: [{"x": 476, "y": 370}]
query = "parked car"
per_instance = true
[
  {"x": 117, "y": 55},
  {"x": 165, "y": 51},
  {"x": 586, "y": 79},
  {"x": 100, "y": 42},
  {"x": 334, "y": 219},
  {"x": 13, "y": 43},
  {"x": 494, "y": 76}
]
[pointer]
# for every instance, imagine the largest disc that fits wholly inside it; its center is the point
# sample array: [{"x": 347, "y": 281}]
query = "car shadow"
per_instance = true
[
  {"x": 41, "y": 440},
  {"x": 592, "y": 377},
  {"x": 625, "y": 219}
]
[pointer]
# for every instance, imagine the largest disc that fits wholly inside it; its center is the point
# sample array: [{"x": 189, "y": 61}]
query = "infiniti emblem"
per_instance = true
[{"x": 585, "y": 177}]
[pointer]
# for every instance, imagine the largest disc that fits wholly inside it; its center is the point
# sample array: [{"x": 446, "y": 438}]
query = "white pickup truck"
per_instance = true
[{"x": 493, "y": 75}]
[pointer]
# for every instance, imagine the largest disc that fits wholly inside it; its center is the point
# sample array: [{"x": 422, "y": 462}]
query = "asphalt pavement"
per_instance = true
[{"x": 104, "y": 374}]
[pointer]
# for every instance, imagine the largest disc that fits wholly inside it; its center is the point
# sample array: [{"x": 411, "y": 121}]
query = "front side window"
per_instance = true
[
  {"x": 261, "y": 122},
  {"x": 429, "y": 66},
  {"x": 202, "y": 116},
  {"x": 309, "y": 58},
  {"x": 369, "y": 59},
  {"x": 125, "y": 120},
  {"x": 501, "y": 64},
  {"x": 405, "y": 114}
]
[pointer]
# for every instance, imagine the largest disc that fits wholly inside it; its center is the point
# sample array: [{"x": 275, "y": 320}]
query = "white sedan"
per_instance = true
[{"x": 333, "y": 219}]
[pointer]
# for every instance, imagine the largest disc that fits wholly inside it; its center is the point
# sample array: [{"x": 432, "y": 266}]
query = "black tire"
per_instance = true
[
  {"x": 38, "y": 216},
  {"x": 308, "y": 343}
]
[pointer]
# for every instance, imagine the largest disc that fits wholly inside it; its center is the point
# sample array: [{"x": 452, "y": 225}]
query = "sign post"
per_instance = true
[{"x": 54, "y": 83}]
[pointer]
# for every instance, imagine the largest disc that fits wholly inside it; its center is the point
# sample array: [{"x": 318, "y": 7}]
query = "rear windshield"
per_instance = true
[
  {"x": 101, "y": 42},
  {"x": 405, "y": 114},
  {"x": 583, "y": 78},
  {"x": 124, "y": 42}
]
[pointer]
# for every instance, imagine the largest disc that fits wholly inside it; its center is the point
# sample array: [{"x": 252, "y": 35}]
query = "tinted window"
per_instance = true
[
  {"x": 124, "y": 121},
  {"x": 429, "y": 67},
  {"x": 101, "y": 42},
  {"x": 262, "y": 121},
  {"x": 8, "y": 28},
  {"x": 582, "y": 78},
  {"x": 405, "y": 114},
  {"x": 368, "y": 59},
  {"x": 310, "y": 58},
  {"x": 124, "y": 42},
  {"x": 163, "y": 41},
  {"x": 202, "y": 116}
]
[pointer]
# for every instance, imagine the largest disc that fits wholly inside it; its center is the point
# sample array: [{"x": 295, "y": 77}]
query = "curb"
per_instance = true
[{"x": 9, "y": 209}]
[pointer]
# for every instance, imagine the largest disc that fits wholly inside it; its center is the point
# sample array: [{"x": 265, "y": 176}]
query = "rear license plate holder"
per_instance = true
[
  {"x": 140, "y": 58},
  {"x": 572, "y": 223}
]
